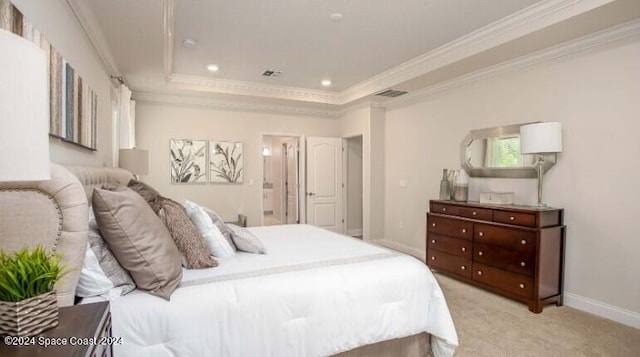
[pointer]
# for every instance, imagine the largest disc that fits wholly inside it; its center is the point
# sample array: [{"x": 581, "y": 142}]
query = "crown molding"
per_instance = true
[
  {"x": 518, "y": 24},
  {"x": 616, "y": 33},
  {"x": 237, "y": 106},
  {"x": 528, "y": 20},
  {"x": 180, "y": 81},
  {"x": 88, "y": 22}
]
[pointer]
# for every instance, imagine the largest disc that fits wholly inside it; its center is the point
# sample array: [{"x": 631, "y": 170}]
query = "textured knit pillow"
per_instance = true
[
  {"x": 226, "y": 232},
  {"x": 188, "y": 239},
  {"x": 101, "y": 274},
  {"x": 147, "y": 192},
  {"x": 138, "y": 239},
  {"x": 218, "y": 245},
  {"x": 246, "y": 241}
]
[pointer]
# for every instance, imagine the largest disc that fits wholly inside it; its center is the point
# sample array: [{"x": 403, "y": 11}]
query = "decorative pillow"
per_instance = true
[
  {"x": 226, "y": 232},
  {"x": 246, "y": 241},
  {"x": 218, "y": 245},
  {"x": 138, "y": 239},
  {"x": 101, "y": 274},
  {"x": 147, "y": 192},
  {"x": 188, "y": 239}
]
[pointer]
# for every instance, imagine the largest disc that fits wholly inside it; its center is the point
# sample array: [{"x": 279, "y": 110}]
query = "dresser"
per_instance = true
[{"x": 514, "y": 251}]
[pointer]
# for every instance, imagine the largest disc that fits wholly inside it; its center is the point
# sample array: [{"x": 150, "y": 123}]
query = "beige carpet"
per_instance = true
[{"x": 489, "y": 325}]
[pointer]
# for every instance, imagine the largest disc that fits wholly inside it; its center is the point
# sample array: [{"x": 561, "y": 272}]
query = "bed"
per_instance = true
[{"x": 315, "y": 293}]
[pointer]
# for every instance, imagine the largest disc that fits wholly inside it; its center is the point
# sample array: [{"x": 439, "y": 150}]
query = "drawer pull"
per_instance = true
[
  {"x": 444, "y": 209},
  {"x": 512, "y": 218},
  {"x": 479, "y": 272},
  {"x": 523, "y": 242},
  {"x": 480, "y": 253},
  {"x": 463, "y": 267},
  {"x": 433, "y": 258},
  {"x": 433, "y": 241},
  {"x": 522, "y": 264},
  {"x": 433, "y": 224},
  {"x": 474, "y": 213},
  {"x": 464, "y": 249},
  {"x": 464, "y": 230},
  {"x": 521, "y": 286},
  {"x": 481, "y": 234}
]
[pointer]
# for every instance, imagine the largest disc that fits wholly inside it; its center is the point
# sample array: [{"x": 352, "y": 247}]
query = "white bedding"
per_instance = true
[{"x": 315, "y": 293}]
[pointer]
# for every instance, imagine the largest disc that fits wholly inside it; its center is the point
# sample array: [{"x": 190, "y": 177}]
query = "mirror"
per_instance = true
[{"x": 495, "y": 152}]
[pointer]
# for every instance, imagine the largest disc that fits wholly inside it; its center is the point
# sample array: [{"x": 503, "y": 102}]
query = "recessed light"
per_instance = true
[
  {"x": 189, "y": 42},
  {"x": 213, "y": 67},
  {"x": 326, "y": 82},
  {"x": 336, "y": 17}
]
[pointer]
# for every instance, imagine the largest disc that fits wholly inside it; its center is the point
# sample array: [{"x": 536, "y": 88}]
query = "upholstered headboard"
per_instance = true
[{"x": 54, "y": 214}]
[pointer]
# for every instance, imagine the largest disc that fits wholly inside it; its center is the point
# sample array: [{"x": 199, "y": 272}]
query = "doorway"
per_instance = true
[
  {"x": 354, "y": 186},
  {"x": 281, "y": 180}
]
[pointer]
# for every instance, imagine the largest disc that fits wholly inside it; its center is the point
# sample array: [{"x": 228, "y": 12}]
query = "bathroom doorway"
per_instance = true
[
  {"x": 281, "y": 180},
  {"x": 353, "y": 185}
]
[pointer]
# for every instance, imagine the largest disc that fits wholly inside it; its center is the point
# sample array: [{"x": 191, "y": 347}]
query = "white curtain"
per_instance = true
[{"x": 126, "y": 120}]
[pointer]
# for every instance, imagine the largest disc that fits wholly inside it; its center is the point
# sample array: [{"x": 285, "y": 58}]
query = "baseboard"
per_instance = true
[
  {"x": 601, "y": 309},
  {"x": 418, "y": 253},
  {"x": 354, "y": 232}
]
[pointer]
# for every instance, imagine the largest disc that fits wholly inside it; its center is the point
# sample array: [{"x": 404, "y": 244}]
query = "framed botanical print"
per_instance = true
[
  {"x": 226, "y": 162},
  {"x": 188, "y": 161}
]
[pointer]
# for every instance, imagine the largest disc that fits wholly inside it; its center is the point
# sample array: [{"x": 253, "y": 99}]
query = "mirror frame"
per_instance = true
[{"x": 503, "y": 172}]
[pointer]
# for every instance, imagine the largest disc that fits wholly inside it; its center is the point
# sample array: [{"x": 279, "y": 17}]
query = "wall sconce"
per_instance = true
[{"x": 266, "y": 151}]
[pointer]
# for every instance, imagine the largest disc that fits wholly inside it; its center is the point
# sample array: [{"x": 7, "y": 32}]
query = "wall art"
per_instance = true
[
  {"x": 226, "y": 162},
  {"x": 188, "y": 161}
]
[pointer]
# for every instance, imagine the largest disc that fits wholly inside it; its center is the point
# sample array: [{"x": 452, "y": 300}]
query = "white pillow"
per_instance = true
[{"x": 218, "y": 245}]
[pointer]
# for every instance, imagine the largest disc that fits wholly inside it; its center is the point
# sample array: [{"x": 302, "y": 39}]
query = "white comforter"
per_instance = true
[{"x": 315, "y": 293}]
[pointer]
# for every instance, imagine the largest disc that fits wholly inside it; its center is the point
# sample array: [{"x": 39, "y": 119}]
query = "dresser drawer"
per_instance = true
[
  {"x": 517, "y": 218},
  {"x": 449, "y": 263},
  {"x": 444, "y": 209},
  {"x": 459, "y": 247},
  {"x": 513, "y": 260},
  {"x": 476, "y": 213},
  {"x": 450, "y": 227},
  {"x": 514, "y": 283},
  {"x": 511, "y": 238}
]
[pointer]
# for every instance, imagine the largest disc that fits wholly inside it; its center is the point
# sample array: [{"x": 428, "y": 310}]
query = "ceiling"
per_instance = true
[{"x": 378, "y": 44}]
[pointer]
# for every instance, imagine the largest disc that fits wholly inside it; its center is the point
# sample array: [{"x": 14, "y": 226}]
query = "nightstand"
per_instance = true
[{"x": 86, "y": 330}]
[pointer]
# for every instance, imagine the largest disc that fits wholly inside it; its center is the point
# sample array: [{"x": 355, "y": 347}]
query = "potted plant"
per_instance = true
[{"x": 28, "y": 303}]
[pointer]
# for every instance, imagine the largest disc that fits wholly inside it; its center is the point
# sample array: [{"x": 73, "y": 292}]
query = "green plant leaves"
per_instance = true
[{"x": 28, "y": 273}]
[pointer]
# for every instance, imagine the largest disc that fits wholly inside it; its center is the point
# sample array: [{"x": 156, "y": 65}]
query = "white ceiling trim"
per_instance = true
[
  {"x": 528, "y": 20},
  {"x": 616, "y": 33},
  {"x": 88, "y": 23},
  {"x": 239, "y": 106},
  {"x": 180, "y": 81},
  {"x": 531, "y": 19}
]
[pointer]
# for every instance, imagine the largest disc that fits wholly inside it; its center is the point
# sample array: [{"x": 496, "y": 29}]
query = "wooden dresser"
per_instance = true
[{"x": 515, "y": 251}]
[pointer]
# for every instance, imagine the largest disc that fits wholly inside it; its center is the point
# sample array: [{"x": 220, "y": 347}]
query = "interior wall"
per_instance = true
[
  {"x": 354, "y": 185},
  {"x": 595, "y": 96},
  {"x": 58, "y": 24},
  {"x": 157, "y": 123}
]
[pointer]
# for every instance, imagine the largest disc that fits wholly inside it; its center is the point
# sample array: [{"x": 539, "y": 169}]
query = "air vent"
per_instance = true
[
  {"x": 392, "y": 93},
  {"x": 272, "y": 74}
]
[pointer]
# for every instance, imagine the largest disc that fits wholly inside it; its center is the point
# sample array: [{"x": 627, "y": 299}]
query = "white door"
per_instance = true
[
  {"x": 324, "y": 183},
  {"x": 292, "y": 184}
]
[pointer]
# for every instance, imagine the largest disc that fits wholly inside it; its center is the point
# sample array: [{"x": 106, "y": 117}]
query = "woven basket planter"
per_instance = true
[{"x": 29, "y": 317}]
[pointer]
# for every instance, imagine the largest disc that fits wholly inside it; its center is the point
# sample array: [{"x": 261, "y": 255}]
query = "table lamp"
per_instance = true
[{"x": 540, "y": 139}]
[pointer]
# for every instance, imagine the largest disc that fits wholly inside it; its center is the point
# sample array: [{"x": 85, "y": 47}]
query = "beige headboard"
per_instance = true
[{"x": 54, "y": 214}]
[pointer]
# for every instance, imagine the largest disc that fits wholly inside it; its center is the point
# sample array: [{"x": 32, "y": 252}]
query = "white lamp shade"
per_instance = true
[
  {"x": 541, "y": 138},
  {"x": 24, "y": 110},
  {"x": 135, "y": 161}
]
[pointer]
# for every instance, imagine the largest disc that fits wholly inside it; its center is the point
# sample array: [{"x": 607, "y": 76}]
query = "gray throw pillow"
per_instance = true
[
  {"x": 138, "y": 239},
  {"x": 147, "y": 192},
  {"x": 246, "y": 241},
  {"x": 185, "y": 234},
  {"x": 226, "y": 232}
]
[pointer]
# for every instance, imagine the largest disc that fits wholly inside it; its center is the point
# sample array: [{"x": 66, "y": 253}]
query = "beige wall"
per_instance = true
[
  {"x": 595, "y": 95},
  {"x": 57, "y": 23},
  {"x": 157, "y": 123}
]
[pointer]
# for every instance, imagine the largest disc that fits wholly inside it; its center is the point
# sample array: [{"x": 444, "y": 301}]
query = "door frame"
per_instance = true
[{"x": 302, "y": 174}]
